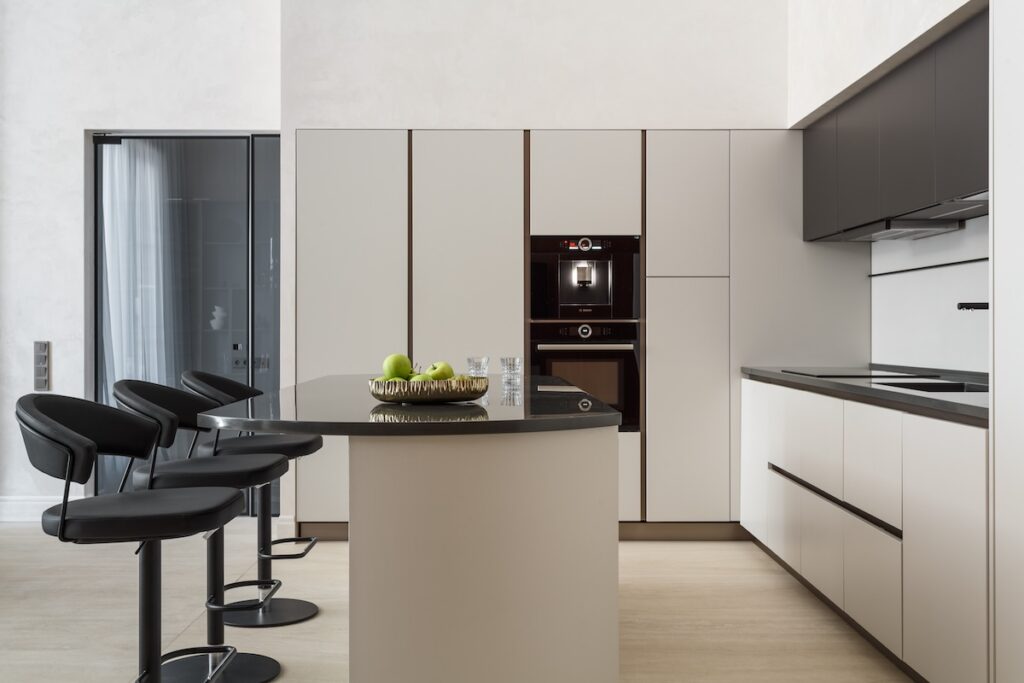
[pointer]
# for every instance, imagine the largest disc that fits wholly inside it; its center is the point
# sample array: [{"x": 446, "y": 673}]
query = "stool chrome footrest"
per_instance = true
[
  {"x": 271, "y": 586},
  {"x": 310, "y": 541},
  {"x": 228, "y": 651}
]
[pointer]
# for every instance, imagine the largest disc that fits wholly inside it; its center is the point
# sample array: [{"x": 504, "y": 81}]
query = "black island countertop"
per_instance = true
[
  {"x": 342, "y": 405},
  {"x": 969, "y": 408}
]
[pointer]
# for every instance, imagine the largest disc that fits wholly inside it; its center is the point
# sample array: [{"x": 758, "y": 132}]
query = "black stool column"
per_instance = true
[
  {"x": 276, "y": 611},
  {"x": 149, "y": 612},
  {"x": 244, "y": 667}
]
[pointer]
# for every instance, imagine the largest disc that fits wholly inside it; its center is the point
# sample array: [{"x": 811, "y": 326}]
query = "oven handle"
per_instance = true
[{"x": 586, "y": 347}]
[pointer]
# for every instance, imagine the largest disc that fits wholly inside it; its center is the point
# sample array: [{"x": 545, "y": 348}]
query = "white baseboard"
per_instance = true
[{"x": 26, "y": 508}]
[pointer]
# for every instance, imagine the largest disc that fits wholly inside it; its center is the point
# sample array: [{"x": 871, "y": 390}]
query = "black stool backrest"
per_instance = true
[
  {"x": 171, "y": 408},
  {"x": 216, "y": 387},
  {"x": 56, "y": 428}
]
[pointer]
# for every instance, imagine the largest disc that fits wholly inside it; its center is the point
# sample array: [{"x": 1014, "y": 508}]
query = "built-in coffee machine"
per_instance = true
[{"x": 584, "y": 317}]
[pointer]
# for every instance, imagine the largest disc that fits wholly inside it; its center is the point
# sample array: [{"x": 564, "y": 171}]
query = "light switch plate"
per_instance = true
[{"x": 41, "y": 365}]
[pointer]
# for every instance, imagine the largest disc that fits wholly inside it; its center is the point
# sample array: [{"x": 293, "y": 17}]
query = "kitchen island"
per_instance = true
[{"x": 483, "y": 537}]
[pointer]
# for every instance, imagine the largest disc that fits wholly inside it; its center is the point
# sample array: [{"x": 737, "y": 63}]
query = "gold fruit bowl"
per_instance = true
[{"x": 432, "y": 391}]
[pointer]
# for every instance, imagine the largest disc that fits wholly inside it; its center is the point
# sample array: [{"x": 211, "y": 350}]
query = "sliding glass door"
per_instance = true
[{"x": 187, "y": 271}]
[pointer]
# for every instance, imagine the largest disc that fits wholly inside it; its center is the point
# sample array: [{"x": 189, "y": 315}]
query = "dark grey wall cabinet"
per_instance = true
[
  {"x": 857, "y": 160},
  {"x": 961, "y": 123},
  {"x": 820, "y": 178},
  {"x": 912, "y": 141},
  {"x": 906, "y": 136}
]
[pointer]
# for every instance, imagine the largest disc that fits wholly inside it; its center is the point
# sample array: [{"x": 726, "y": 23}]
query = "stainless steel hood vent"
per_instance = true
[
  {"x": 934, "y": 220},
  {"x": 896, "y": 229}
]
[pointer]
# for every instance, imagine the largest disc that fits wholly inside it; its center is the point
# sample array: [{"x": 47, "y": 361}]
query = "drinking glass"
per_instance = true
[
  {"x": 477, "y": 366},
  {"x": 511, "y": 370}
]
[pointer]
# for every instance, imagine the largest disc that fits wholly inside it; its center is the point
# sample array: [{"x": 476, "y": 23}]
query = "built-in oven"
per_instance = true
[
  {"x": 599, "y": 357},
  {"x": 585, "y": 278}
]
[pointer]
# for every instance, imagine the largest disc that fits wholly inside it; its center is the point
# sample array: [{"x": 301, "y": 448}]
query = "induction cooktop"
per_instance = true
[{"x": 851, "y": 373}]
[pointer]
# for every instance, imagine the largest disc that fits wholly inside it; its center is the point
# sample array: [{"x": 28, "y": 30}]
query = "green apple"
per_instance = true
[
  {"x": 382, "y": 378},
  {"x": 396, "y": 379},
  {"x": 440, "y": 370},
  {"x": 397, "y": 365},
  {"x": 420, "y": 378}
]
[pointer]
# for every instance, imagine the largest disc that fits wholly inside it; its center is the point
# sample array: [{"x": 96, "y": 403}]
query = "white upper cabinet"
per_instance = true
[
  {"x": 687, "y": 399},
  {"x": 945, "y": 550},
  {"x": 467, "y": 297},
  {"x": 687, "y": 202},
  {"x": 585, "y": 182},
  {"x": 873, "y": 461}
]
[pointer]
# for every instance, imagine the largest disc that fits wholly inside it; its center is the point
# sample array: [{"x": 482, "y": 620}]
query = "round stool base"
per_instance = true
[
  {"x": 244, "y": 668},
  {"x": 277, "y": 612}
]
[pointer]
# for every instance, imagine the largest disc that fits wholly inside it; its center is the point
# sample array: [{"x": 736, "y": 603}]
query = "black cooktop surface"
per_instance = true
[{"x": 851, "y": 372}]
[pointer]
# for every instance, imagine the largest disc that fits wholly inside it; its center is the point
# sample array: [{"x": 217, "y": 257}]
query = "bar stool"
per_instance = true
[
  {"x": 62, "y": 436},
  {"x": 278, "y": 611},
  {"x": 172, "y": 409},
  {"x": 175, "y": 409}
]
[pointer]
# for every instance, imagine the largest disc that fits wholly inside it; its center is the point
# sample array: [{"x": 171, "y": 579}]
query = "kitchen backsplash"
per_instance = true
[{"x": 914, "y": 316}]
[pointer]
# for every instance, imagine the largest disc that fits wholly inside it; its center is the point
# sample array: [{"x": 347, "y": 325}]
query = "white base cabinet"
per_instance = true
[
  {"x": 924, "y": 597},
  {"x": 784, "y": 519},
  {"x": 945, "y": 569},
  {"x": 872, "y": 580},
  {"x": 821, "y": 544},
  {"x": 873, "y": 461}
]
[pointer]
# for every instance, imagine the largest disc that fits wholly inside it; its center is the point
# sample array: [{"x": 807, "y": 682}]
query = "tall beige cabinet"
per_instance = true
[
  {"x": 687, "y": 330},
  {"x": 351, "y": 220},
  {"x": 467, "y": 216}
]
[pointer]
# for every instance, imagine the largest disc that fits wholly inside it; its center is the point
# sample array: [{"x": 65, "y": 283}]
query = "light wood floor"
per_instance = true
[{"x": 689, "y": 612}]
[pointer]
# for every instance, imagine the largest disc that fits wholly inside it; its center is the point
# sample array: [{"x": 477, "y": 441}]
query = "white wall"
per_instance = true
[
  {"x": 1007, "y": 427},
  {"x": 835, "y": 44},
  {"x": 914, "y": 319},
  {"x": 66, "y": 67},
  {"x": 535, "y": 64}
]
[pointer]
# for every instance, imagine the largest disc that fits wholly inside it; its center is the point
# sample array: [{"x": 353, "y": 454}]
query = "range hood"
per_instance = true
[{"x": 937, "y": 219}]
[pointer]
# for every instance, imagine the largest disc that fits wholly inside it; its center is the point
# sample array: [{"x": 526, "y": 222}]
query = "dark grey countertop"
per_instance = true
[
  {"x": 342, "y": 404},
  {"x": 964, "y": 407}
]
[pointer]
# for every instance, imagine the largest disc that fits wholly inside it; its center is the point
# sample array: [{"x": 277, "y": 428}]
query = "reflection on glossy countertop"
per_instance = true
[{"x": 342, "y": 404}]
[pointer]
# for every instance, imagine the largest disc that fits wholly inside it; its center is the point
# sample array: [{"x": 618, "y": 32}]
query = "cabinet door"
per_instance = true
[
  {"x": 820, "y": 188},
  {"x": 857, "y": 161},
  {"x": 629, "y": 477},
  {"x": 784, "y": 519},
  {"x": 350, "y": 187},
  {"x": 906, "y": 136},
  {"x": 687, "y": 399},
  {"x": 872, "y": 581},
  {"x": 821, "y": 544},
  {"x": 961, "y": 98},
  {"x": 467, "y": 245},
  {"x": 687, "y": 202},
  {"x": 873, "y": 461},
  {"x": 945, "y": 564},
  {"x": 585, "y": 182},
  {"x": 813, "y": 439},
  {"x": 761, "y": 408}
]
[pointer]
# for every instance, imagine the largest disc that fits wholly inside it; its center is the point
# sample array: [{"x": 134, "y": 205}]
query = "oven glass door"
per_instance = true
[{"x": 610, "y": 376}]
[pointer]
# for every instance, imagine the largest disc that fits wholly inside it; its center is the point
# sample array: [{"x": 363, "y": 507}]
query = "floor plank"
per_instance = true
[{"x": 694, "y": 611}]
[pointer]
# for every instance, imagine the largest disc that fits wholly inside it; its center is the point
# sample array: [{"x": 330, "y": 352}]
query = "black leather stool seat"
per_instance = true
[
  {"x": 288, "y": 445},
  {"x": 237, "y": 471},
  {"x": 146, "y": 515}
]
